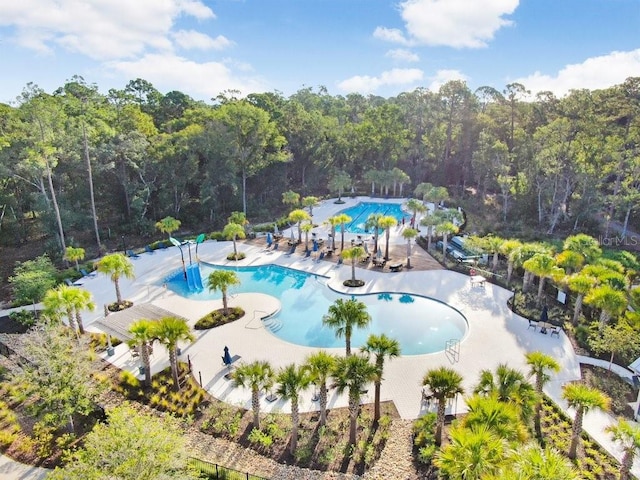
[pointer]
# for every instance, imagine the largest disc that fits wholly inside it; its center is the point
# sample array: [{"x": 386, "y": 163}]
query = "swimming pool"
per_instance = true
[
  {"x": 360, "y": 212},
  {"x": 420, "y": 324}
]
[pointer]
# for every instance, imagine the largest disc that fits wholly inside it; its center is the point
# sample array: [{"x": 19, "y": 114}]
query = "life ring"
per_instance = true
[{"x": 472, "y": 272}]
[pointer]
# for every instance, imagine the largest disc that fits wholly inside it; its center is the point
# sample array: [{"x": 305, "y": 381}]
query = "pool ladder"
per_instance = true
[{"x": 272, "y": 324}]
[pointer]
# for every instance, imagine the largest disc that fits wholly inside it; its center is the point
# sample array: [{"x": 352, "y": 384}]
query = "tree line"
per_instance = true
[{"x": 77, "y": 160}]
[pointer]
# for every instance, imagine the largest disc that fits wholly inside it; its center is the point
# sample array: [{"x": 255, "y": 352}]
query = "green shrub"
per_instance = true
[
  {"x": 236, "y": 256},
  {"x": 217, "y": 318},
  {"x": 32, "y": 279},
  {"x": 261, "y": 439},
  {"x": 129, "y": 380},
  {"x": 217, "y": 236},
  {"x": 43, "y": 439},
  {"x": 24, "y": 317}
]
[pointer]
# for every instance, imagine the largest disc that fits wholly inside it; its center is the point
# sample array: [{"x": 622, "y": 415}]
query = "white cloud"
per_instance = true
[
  {"x": 203, "y": 81},
  {"x": 402, "y": 55},
  {"x": 190, "y": 39},
  {"x": 443, "y": 76},
  {"x": 452, "y": 23},
  {"x": 99, "y": 29},
  {"x": 594, "y": 73},
  {"x": 395, "y": 77}
]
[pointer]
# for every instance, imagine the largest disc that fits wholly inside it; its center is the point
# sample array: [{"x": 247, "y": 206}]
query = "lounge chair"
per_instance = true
[
  {"x": 88, "y": 274},
  {"x": 320, "y": 257},
  {"x": 71, "y": 283},
  {"x": 555, "y": 331},
  {"x": 307, "y": 254},
  {"x": 395, "y": 267},
  {"x": 148, "y": 249},
  {"x": 162, "y": 245},
  {"x": 275, "y": 246},
  {"x": 132, "y": 254},
  {"x": 340, "y": 261},
  {"x": 291, "y": 250}
]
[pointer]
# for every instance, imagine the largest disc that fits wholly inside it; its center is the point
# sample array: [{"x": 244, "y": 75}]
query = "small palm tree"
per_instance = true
[
  {"x": 502, "y": 418},
  {"x": 373, "y": 221},
  {"x": 507, "y": 248},
  {"x": 168, "y": 225},
  {"x": 310, "y": 202},
  {"x": 320, "y": 365},
  {"x": 382, "y": 347},
  {"x": 333, "y": 223},
  {"x": 611, "y": 302},
  {"x": 291, "y": 381},
  {"x": 582, "y": 398},
  {"x": 73, "y": 254},
  {"x": 430, "y": 221},
  {"x": 306, "y": 228},
  {"x": 256, "y": 376},
  {"x": 222, "y": 280},
  {"x": 352, "y": 373},
  {"x": 539, "y": 365},
  {"x": 353, "y": 254},
  {"x": 298, "y": 216},
  {"x": 543, "y": 266},
  {"x": 444, "y": 384},
  {"x": 570, "y": 261},
  {"x": 58, "y": 301},
  {"x": 344, "y": 316},
  {"x": 143, "y": 332},
  {"x": 81, "y": 300},
  {"x": 581, "y": 284},
  {"x": 233, "y": 231},
  {"x": 533, "y": 462},
  {"x": 409, "y": 234},
  {"x": 291, "y": 198},
  {"x": 587, "y": 246},
  {"x": 446, "y": 229},
  {"x": 492, "y": 244},
  {"x": 386, "y": 223},
  {"x": 629, "y": 438},
  {"x": 169, "y": 331},
  {"x": 415, "y": 206},
  {"x": 116, "y": 265},
  {"x": 342, "y": 220}
]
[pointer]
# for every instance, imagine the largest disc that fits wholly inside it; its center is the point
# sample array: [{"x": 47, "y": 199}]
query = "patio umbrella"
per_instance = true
[
  {"x": 269, "y": 238},
  {"x": 544, "y": 315},
  {"x": 366, "y": 249},
  {"x": 227, "y": 356},
  {"x": 379, "y": 253},
  {"x": 275, "y": 228},
  {"x": 315, "y": 246}
]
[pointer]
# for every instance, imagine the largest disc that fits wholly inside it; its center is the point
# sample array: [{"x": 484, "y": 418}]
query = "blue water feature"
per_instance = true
[
  {"x": 360, "y": 213},
  {"x": 420, "y": 324}
]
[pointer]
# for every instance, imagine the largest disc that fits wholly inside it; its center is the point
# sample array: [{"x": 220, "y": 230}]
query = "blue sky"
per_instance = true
[{"x": 380, "y": 47}]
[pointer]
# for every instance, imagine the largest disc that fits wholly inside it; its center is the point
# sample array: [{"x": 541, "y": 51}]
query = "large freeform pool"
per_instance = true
[
  {"x": 360, "y": 212},
  {"x": 420, "y": 324}
]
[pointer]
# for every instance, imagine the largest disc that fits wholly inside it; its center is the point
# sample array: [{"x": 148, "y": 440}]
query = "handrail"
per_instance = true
[{"x": 255, "y": 312}]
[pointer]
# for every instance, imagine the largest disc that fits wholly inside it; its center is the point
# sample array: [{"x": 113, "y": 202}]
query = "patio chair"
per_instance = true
[
  {"x": 555, "y": 331},
  {"x": 291, "y": 250},
  {"x": 340, "y": 261},
  {"x": 533, "y": 324},
  {"x": 88, "y": 274},
  {"x": 132, "y": 254},
  {"x": 148, "y": 249}
]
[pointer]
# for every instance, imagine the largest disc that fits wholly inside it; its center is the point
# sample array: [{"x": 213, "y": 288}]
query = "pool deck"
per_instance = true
[{"x": 495, "y": 335}]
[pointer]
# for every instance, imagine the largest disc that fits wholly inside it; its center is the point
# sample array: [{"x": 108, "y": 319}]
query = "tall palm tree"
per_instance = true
[
  {"x": 298, "y": 216},
  {"x": 472, "y": 454},
  {"x": 382, "y": 347},
  {"x": 116, "y": 265},
  {"x": 310, "y": 202},
  {"x": 587, "y": 246},
  {"x": 81, "y": 300},
  {"x": 507, "y": 248},
  {"x": 169, "y": 331},
  {"x": 543, "y": 266},
  {"x": 342, "y": 220},
  {"x": 611, "y": 302},
  {"x": 446, "y": 229},
  {"x": 510, "y": 386},
  {"x": 492, "y": 244},
  {"x": 581, "y": 284},
  {"x": 59, "y": 300},
  {"x": 353, "y": 254},
  {"x": 222, "y": 280},
  {"x": 373, "y": 221},
  {"x": 320, "y": 365},
  {"x": 582, "y": 398},
  {"x": 333, "y": 222},
  {"x": 444, "y": 383},
  {"x": 430, "y": 221},
  {"x": 415, "y": 206},
  {"x": 256, "y": 376},
  {"x": 74, "y": 254},
  {"x": 540, "y": 364},
  {"x": 628, "y": 437},
  {"x": 523, "y": 253},
  {"x": 502, "y": 418},
  {"x": 144, "y": 333},
  {"x": 386, "y": 223},
  {"x": 344, "y": 316},
  {"x": 570, "y": 261},
  {"x": 352, "y": 373},
  {"x": 408, "y": 234},
  {"x": 291, "y": 381},
  {"x": 306, "y": 228},
  {"x": 233, "y": 231}
]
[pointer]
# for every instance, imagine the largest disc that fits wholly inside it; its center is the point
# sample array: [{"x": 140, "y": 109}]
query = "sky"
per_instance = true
[{"x": 378, "y": 47}]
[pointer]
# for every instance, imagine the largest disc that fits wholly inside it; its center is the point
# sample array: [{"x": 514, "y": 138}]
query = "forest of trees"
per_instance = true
[{"x": 76, "y": 162}]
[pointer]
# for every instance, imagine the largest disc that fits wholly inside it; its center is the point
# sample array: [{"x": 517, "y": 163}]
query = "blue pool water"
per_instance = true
[
  {"x": 420, "y": 324},
  {"x": 360, "y": 212}
]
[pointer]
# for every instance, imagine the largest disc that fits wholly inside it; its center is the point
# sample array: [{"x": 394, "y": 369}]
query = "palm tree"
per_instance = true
[
  {"x": 585, "y": 245},
  {"x": 222, "y": 280},
  {"x": 291, "y": 381},
  {"x": 581, "y": 284},
  {"x": 116, "y": 265},
  {"x": 446, "y": 229},
  {"x": 291, "y": 198},
  {"x": 472, "y": 454},
  {"x": 256, "y": 376},
  {"x": 509, "y": 386},
  {"x": 143, "y": 332},
  {"x": 73, "y": 254},
  {"x": 415, "y": 206},
  {"x": 386, "y": 223},
  {"x": 81, "y": 300},
  {"x": 298, "y": 216},
  {"x": 507, "y": 248},
  {"x": 233, "y": 231},
  {"x": 353, "y": 254},
  {"x": 344, "y": 316},
  {"x": 408, "y": 234},
  {"x": 611, "y": 302},
  {"x": 306, "y": 228},
  {"x": 310, "y": 202},
  {"x": 535, "y": 463},
  {"x": 523, "y": 253},
  {"x": 373, "y": 221},
  {"x": 539, "y": 365},
  {"x": 381, "y": 346},
  {"x": 569, "y": 260},
  {"x": 492, "y": 244},
  {"x": 430, "y": 221},
  {"x": 444, "y": 383},
  {"x": 352, "y": 373},
  {"x": 333, "y": 223},
  {"x": 543, "y": 266},
  {"x": 582, "y": 398},
  {"x": 168, "y": 225},
  {"x": 629, "y": 438},
  {"x": 501, "y": 418},
  {"x": 320, "y": 365},
  {"x": 57, "y": 301},
  {"x": 342, "y": 219},
  {"x": 169, "y": 331}
]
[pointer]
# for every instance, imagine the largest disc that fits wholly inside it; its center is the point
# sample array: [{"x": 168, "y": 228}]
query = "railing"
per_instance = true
[
  {"x": 452, "y": 350},
  {"x": 256, "y": 321},
  {"x": 214, "y": 471}
]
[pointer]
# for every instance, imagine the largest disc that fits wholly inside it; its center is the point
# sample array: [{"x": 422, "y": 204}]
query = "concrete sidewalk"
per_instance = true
[{"x": 12, "y": 470}]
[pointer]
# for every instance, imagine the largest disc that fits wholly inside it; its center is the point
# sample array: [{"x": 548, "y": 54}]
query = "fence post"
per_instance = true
[{"x": 200, "y": 377}]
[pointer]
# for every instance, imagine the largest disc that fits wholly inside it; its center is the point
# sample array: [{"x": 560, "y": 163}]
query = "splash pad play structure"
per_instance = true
[{"x": 190, "y": 273}]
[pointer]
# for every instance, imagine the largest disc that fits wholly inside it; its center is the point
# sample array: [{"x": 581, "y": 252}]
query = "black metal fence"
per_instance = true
[{"x": 214, "y": 471}]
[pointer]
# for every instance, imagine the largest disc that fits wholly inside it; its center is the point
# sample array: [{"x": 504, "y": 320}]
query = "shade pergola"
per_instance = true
[{"x": 117, "y": 324}]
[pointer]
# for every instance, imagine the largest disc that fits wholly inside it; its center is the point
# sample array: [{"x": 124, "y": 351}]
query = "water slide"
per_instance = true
[{"x": 194, "y": 279}]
